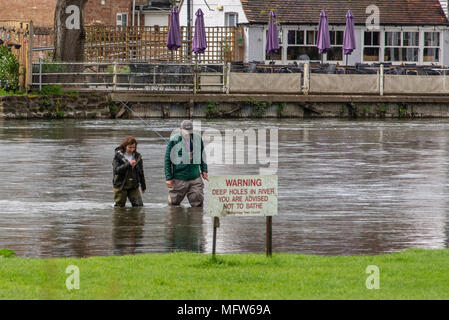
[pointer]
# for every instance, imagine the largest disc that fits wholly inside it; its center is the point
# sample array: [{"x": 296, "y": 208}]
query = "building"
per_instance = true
[
  {"x": 408, "y": 31},
  {"x": 128, "y": 12},
  {"x": 217, "y": 13},
  {"x": 107, "y": 12},
  {"x": 154, "y": 13},
  {"x": 41, "y": 12}
]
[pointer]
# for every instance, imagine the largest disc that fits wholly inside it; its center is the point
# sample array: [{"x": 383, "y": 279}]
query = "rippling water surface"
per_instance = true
[{"x": 345, "y": 187}]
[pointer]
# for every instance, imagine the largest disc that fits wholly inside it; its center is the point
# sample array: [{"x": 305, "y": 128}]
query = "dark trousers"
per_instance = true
[{"x": 133, "y": 195}]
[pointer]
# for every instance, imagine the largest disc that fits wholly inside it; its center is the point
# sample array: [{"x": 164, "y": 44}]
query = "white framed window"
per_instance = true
[
  {"x": 122, "y": 19},
  {"x": 231, "y": 19},
  {"x": 336, "y": 52},
  {"x": 431, "y": 52},
  {"x": 401, "y": 46},
  {"x": 301, "y": 45},
  {"x": 371, "y": 46}
]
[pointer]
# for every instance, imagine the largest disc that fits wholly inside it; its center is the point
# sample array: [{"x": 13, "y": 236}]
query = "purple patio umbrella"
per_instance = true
[
  {"x": 349, "y": 38},
  {"x": 174, "y": 33},
  {"x": 199, "y": 38},
  {"x": 323, "y": 42},
  {"x": 273, "y": 35}
]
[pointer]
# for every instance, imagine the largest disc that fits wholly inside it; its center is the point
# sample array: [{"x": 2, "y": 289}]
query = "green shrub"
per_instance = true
[
  {"x": 3, "y": 92},
  {"x": 120, "y": 69},
  {"x": 9, "y": 70},
  {"x": 52, "y": 90},
  {"x": 6, "y": 253},
  {"x": 211, "y": 110}
]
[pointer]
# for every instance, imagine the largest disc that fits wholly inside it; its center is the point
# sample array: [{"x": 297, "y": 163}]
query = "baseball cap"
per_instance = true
[{"x": 187, "y": 126}]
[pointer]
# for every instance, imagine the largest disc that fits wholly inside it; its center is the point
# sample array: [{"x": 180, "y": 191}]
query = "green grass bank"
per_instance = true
[{"x": 410, "y": 274}]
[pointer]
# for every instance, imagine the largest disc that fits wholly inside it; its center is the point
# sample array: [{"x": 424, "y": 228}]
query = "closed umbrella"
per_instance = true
[
  {"x": 174, "y": 33},
  {"x": 273, "y": 35},
  {"x": 349, "y": 44},
  {"x": 323, "y": 42},
  {"x": 199, "y": 38}
]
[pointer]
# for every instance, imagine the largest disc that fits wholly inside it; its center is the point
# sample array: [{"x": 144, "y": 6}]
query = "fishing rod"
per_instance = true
[{"x": 129, "y": 108}]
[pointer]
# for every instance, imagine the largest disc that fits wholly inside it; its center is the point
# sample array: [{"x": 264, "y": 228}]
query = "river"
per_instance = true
[{"x": 345, "y": 188}]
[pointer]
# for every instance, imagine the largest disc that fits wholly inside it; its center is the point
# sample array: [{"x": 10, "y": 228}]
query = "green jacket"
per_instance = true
[{"x": 180, "y": 163}]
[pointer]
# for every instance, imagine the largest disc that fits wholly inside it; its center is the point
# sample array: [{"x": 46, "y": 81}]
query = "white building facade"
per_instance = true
[
  {"x": 406, "y": 32},
  {"x": 217, "y": 13}
]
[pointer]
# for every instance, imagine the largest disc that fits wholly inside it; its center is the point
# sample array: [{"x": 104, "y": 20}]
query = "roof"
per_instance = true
[{"x": 392, "y": 12}]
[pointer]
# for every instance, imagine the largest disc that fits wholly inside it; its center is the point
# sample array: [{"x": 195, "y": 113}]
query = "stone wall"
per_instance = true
[
  {"x": 101, "y": 105},
  {"x": 80, "y": 106}
]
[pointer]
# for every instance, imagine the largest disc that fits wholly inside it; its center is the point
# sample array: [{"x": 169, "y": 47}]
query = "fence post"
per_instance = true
[
  {"x": 40, "y": 74},
  {"x": 306, "y": 78},
  {"x": 114, "y": 86},
  {"x": 195, "y": 78},
  {"x": 228, "y": 78},
  {"x": 29, "y": 45},
  {"x": 381, "y": 80},
  {"x": 224, "y": 75}
]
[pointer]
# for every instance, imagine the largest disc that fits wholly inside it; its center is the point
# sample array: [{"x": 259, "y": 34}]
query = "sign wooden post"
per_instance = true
[
  {"x": 214, "y": 240},
  {"x": 243, "y": 196},
  {"x": 269, "y": 241}
]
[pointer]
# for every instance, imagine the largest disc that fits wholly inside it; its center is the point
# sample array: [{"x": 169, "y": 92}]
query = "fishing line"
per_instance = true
[{"x": 129, "y": 108}]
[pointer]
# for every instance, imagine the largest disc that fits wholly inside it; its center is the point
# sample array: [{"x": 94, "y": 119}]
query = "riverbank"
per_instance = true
[
  {"x": 410, "y": 274},
  {"x": 104, "y": 105}
]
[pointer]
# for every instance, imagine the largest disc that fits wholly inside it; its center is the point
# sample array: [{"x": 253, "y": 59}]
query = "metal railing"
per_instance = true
[
  {"x": 103, "y": 76},
  {"x": 218, "y": 78}
]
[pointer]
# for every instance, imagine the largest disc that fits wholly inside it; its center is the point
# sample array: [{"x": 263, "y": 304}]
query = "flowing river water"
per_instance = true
[{"x": 345, "y": 188}]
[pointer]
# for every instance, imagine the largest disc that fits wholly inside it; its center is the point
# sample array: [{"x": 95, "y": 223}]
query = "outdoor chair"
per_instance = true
[
  {"x": 253, "y": 66},
  {"x": 331, "y": 69}
]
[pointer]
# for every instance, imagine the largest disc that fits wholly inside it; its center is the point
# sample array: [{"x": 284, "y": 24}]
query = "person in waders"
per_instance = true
[
  {"x": 128, "y": 174},
  {"x": 185, "y": 167}
]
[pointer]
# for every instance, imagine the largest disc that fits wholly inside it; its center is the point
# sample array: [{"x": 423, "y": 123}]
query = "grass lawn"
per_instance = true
[{"x": 410, "y": 274}]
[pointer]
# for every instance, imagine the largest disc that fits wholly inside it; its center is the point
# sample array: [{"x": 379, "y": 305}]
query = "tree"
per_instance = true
[{"x": 69, "y": 30}]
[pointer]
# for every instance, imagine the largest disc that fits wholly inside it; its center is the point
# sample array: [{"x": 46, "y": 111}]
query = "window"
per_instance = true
[
  {"x": 122, "y": 19},
  {"x": 278, "y": 55},
  {"x": 371, "y": 48},
  {"x": 302, "y": 45},
  {"x": 401, "y": 46},
  {"x": 231, "y": 19},
  {"x": 336, "y": 52},
  {"x": 431, "y": 47}
]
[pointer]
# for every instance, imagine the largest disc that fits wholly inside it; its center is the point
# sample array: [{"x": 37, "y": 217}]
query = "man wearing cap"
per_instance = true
[{"x": 185, "y": 166}]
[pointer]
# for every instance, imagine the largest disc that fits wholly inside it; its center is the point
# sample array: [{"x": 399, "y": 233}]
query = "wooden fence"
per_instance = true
[
  {"x": 139, "y": 44},
  {"x": 18, "y": 36}
]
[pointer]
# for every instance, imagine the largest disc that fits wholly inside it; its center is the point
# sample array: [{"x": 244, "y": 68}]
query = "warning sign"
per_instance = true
[{"x": 243, "y": 196}]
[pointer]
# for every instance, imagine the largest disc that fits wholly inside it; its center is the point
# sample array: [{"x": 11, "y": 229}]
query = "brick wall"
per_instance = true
[
  {"x": 106, "y": 14},
  {"x": 42, "y": 11}
]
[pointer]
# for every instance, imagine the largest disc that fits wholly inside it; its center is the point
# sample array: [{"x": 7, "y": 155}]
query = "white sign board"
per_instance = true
[{"x": 243, "y": 196}]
